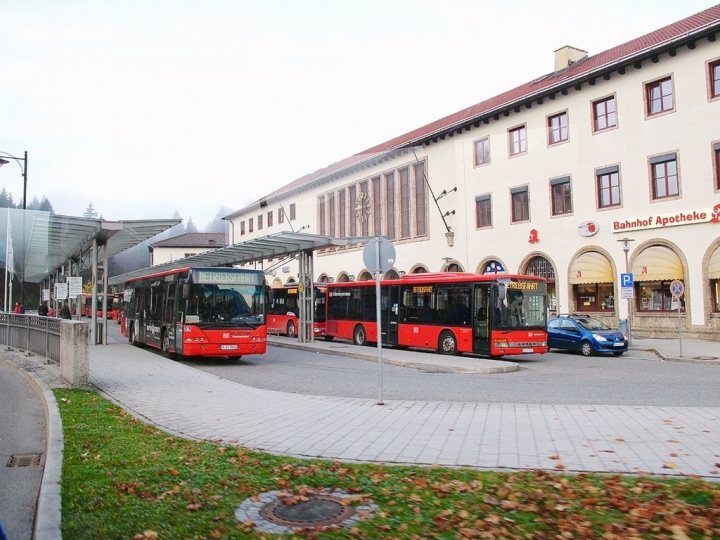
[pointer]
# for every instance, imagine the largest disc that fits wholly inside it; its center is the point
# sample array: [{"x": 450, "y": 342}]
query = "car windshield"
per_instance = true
[{"x": 592, "y": 324}]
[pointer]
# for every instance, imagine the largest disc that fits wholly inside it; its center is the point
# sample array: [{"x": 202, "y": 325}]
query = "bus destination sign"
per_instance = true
[
  {"x": 524, "y": 285},
  {"x": 226, "y": 278},
  {"x": 423, "y": 289}
]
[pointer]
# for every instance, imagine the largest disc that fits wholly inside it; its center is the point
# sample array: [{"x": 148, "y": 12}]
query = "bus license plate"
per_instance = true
[
  {"x": 228, "y": 347},
  {"x": 527, "y": 350}
]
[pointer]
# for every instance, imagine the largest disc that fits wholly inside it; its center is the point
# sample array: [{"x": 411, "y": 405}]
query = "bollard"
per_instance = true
[{"x": 74, "y": 353}]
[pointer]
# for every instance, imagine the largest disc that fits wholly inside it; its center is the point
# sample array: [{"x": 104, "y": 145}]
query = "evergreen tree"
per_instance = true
[
  {"x": 5, "y": 199},
  {"x": 190, "y": 226},
  {"x": 90, "y": 212},
  {"x": 218, "y": 224},
  {"x": 46, "y": 205},
  {"x": 34, "y": 204}
]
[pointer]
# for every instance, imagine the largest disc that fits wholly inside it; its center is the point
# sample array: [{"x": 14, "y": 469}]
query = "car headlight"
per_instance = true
[{"x": 598, "y": 337}]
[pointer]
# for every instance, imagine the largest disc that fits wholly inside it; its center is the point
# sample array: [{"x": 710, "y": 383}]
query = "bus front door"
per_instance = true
[
  {"x": 390, "y": 298},
  {"x": 481, "y": 319}
]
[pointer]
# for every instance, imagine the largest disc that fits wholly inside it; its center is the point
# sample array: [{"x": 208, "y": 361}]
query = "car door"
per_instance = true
[{"x": 570, "y": 334}]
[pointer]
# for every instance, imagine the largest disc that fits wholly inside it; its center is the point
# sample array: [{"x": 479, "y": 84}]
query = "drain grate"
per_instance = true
[
  {"x": 317, "y": 511},
  {"x": 281, "y": 512},
  {"x": 24, "y": 460}
]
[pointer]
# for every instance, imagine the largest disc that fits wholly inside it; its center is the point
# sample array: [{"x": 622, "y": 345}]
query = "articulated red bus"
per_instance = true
[
  {"x": 114, "y": 307},
  {"x": 198, "y": 312},
  {"x": 284, "y": 309},
  {"x": 493, "y": 315}
]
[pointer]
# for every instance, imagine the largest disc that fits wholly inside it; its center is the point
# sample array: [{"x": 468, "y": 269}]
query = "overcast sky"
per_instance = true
[{"x": 147, "y": 107}]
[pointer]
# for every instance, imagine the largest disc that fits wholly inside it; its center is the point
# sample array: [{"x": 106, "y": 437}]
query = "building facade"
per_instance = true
[
  {"x": 608, "y": 165},
  {"x": 185, "y": 245}
]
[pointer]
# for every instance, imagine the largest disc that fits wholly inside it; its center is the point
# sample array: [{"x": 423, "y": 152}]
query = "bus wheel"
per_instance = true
[
  {"x": 166, "y": 346},
  {"x": 132, "y": 339},
  {"x": 360, "y": 336},
  {"x": 329, "y": 338},
  {"x": 447, "y": 343},
  {"x": 291, "y": 329}
]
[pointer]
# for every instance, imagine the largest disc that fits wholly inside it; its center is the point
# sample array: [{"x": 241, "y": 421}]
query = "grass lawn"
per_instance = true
[{"x": 126, "y": 479}]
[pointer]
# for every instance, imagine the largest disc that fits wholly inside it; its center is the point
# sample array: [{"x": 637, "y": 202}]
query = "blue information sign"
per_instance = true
[{"x": 626, "y": 280}]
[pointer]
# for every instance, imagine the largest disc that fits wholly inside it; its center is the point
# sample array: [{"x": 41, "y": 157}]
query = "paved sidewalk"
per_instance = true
[{"x": 198, "y": 405}]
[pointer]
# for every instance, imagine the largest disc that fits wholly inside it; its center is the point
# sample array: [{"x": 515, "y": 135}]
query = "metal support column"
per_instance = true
[
  {"x": 306, "y": 297},
  {"x": 105, "y": 293},
  {"x": 93, "y": 309}
]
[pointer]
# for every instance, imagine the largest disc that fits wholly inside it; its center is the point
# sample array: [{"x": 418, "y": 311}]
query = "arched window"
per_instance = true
[
  {"x": 540, "y": 266},
  {"x": 494, "y": 267},
  {"x": 591, "y": 276},
  {"x": 453, "y": 267}
]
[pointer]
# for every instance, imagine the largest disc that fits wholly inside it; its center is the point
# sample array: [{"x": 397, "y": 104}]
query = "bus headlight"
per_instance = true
[{"x": 502, "y": 343}]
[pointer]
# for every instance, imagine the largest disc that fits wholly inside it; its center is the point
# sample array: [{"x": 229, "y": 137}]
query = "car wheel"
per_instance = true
[
  {"x": 360, "y": 336},
  {"x": 586, "y": 348},
  {"x": 329, "y": 338},
  {"x": 447, "y": 344},
  {"x": 291, "y": 329}
]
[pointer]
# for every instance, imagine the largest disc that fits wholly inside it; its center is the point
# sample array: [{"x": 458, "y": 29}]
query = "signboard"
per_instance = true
[
  {"x": 626, "y": 280},
  {"x": 627, "y": 294},
  {"x": 677, "y": 288},
  {"x": 387, "y": 255},
  {"x": 588, "y": 228},
  {"x": 74, "y": 286},
  {"x": 46, "y": 295},
  {"x": 61, "y": 291}
]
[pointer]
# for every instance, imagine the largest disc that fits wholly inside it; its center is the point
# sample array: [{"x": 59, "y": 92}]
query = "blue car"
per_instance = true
[{"x": 585, "y": 334}]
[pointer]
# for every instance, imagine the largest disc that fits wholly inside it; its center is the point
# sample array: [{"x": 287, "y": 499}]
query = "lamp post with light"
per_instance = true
[
  {"x": 4, "y": 156},
  {"x": 626, "y": 249}
]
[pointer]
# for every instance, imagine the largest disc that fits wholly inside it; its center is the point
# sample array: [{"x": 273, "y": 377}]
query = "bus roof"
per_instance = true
[{"x": 440, "y": 277}]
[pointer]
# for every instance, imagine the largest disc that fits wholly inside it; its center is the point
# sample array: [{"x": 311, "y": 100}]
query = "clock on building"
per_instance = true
[{"x": 362, "y": 207}]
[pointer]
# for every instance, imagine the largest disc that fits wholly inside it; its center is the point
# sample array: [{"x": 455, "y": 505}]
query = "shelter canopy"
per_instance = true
[
  {"x": 282, "y": 244},
  {"x": 43, "y": 242}
]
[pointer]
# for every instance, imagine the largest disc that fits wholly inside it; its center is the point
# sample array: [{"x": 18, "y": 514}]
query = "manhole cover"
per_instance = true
[
  {"x": 24, "y": 460},
  {"x": 317, "y": 511},
  {"x": 705, "y": 358},
  {"x": 280, "y": 512}
]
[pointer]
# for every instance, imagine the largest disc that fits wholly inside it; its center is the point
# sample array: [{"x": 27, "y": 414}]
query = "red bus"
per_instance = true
[
  {"x": 492, "y": 315},
  {"x": 198, "y": 312},
  {"x": 114, "y": 307},
  {"x": 284, "y": 309}
]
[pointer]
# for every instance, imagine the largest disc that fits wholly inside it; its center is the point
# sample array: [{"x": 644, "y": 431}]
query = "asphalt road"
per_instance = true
[{"x": 554, "y": 378}]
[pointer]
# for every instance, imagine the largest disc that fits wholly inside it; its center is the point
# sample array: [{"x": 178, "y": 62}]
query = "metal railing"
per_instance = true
[{"x": 31, "y": 333}]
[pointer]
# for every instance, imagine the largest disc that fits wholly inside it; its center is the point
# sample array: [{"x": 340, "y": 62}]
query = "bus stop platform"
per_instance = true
[{"x": 422, "y": 359}]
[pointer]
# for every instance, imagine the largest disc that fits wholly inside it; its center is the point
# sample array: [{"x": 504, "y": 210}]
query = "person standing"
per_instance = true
[
  {"x": 18, "y": 308},
  {"x": 65, "y": 311},
  {"x": 43, "y": 309}
]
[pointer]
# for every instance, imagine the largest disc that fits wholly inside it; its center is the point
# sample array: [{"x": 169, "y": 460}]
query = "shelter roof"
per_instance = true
[
  {"x": 43, "y": 242},
  {"x": 193, "y": 240},
  {"x": 282, "y": 244}
]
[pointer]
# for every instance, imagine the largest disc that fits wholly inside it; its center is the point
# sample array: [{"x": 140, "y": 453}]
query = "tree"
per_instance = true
[
  {"x": 218, "y": 224},
  {"x": 46, "y": 205},
  {"x": 90, "y": 212},
  {"x": 6, "y": 199},
  {"x": 190, "y": 226}
]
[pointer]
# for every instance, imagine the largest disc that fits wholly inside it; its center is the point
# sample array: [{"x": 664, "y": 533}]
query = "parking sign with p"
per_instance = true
[{"x": 626, "y": 280}]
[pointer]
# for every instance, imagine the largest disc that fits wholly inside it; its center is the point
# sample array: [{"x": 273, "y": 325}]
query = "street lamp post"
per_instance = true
[{"x": 23, "y": 167}]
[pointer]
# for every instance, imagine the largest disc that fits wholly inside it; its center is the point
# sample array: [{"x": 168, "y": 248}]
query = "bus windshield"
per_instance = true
[
  {"x": 225, "y": 305},
  {"x": 521, "y": 309}
]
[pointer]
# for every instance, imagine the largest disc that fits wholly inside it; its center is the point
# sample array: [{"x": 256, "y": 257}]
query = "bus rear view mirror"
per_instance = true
[
  {"x": 186, "y": 291},
  {"x": 501, "y": 291}
]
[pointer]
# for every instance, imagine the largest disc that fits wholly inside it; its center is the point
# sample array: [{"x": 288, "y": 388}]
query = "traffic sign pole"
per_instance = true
[{"x": 677, "y": 288}]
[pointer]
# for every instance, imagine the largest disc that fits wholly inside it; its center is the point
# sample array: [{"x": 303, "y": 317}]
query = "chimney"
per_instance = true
[{"x": 567, "y": 55}]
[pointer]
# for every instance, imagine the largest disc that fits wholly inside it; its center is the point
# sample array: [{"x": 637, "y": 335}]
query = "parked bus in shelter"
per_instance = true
[
  {"x": 492, "y": 315},
  {"x": 113, "y": 307},
  {"x": 198, "y": 312},
  {"x": 284, "y": 309}
]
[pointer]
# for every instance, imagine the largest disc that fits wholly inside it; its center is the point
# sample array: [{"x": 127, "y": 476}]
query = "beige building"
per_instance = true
[
  {"x": 185, "y": 245},
  {"x": 620, "y": 150}
]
